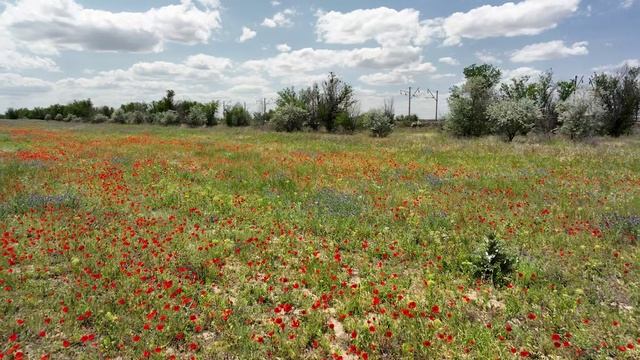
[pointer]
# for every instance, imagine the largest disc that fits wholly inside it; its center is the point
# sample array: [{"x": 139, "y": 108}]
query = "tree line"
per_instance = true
[
  {"x": 608, "y": 105},
  {"x": 483, "y": 105}
]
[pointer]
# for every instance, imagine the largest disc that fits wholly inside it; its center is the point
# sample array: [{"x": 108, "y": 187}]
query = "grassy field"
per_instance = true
[{"x": 133, "y": 241}]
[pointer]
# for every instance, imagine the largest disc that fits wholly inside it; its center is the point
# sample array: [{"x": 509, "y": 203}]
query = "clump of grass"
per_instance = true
[{"x": 493, "y": 262}]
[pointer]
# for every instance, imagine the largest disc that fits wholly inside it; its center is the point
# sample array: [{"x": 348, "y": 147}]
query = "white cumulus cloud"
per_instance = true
[
  {"x": 49, "y": 26},
  {"x": 387, "y": 27},
  {"x": 527, "y": 17},
  {"x": 247, "y": 34},
  {"x": 449, "y": 61},
  {"x": 280, "y": 19},
  {"x": 283, "y": 47},
  {"x": 549, "y": 50}
]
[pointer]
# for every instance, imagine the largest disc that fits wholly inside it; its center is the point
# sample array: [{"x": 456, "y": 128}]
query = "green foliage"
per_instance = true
[
  {"x": 210, "y": 110},
  {"x": 380, "y": 123},
  {"x": 237, "y": 116},
  {"x": 619, "y": 95},
  {"x": 136, "y": 117},
  {"x": 197, "y": 116},
  {"x": 105, "y": 110},
  {"x": 71, "y": 118},
  {"x": 493, "y": 262},
  {"x": 48, "y": 117},
  {"x": 581, "y": 115},
  {"x": 336, "y": 97},
  {"x": 167, "y": 118},
  {"x": 289, "y": 118},
  {"x": 511, "y": 117},
  {"x": 566, "y": 89},
  {"x": 59, "y": 117},
  {"x": 167, "y": 103},
  {"x": 488, "y": 74},
  {"x": 288, "y": 96},
  {"x": 99, "y": 118},
  {"x": 468, "y": 108},
  {"x": 118, "y": 117},
  {"x": 11, "y": 114},
  {"x": 406, "y": 120},
  {"x": 347, "y": 123},
  {"x": 134, "y": 106},
  {"x": 311, "y": 100},
  {"x": 81, "y": 108},
  {"x": 261, "y": 119},
  {"x": 518, "y": 88},
  {"x": 545, "y": 97}
]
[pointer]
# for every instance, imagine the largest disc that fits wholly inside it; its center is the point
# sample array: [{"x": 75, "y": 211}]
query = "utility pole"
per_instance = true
[
  {"x": 435, "y": 97},
  {"x": 411, "y": 94},
  {"x": 263, "y": 104}
]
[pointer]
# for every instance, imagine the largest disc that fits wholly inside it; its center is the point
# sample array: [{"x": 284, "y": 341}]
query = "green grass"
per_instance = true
[{"x": 237, "y": 243}]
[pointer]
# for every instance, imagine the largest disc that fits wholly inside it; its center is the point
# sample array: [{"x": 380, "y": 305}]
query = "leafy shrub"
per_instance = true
[
  {"x": 347, "y": 123},
  {"x": 59, "y": 117},
  {"x": 289, "y": 118},
  {"x": 493, "y": 262},
  {"x": 196, "y": 116},
  {"x": 580, "y": 115},
  {"x": 210, "y": 110},
  {"x": 406, "y": 120},
  {"x": 135, "y": 117},
  {"x": 513, "y": 117},
  {"x": 380, "y": 124},
  {"x": 99, "y": 118},
  {"x": 119, "y": 117},
  {"x": 167, "y": 118},
  {"x": 71, "y": 118},
  {"x": 81, "y": 109},
  {"x": 48, "y": 117},
  {"x": 237, "y": 116}
]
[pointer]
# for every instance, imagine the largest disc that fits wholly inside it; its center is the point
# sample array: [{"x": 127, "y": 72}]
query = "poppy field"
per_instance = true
[{"x": 122, "y": 242}]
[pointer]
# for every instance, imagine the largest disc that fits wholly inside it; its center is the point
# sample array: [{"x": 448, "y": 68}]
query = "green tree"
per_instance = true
[
  {"x": 468, "y": 103},
  {"x": 619, "y": 94},
  {"x": 337, "y": 96}
]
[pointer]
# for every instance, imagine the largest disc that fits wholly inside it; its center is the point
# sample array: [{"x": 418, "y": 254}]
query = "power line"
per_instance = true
[
  {"x": 410, "y": 94},
  {"x": 436, "y": 98}
]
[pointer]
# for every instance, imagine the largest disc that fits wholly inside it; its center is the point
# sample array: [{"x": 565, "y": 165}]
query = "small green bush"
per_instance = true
[
  {"x": 48, "y": 117},
  {"x": 493, "y": 262},
  {"x": 99, "y": 118},
  {"x": 136, "y": 117},
  {"x": 380, "y": 124},
  {"x": 118, "y": 117},
  {"x": 196, "y": 116},
  {"x": 289, "y": 118},
  {"x": 59, "y": 117},
  {"x": 71, "y": 118},
  {"x": 347, "y": 123},
  {"x": 167, "y": 118},
  {"x": 237, "y": 116},
  {"x": 406, "y": 120}
]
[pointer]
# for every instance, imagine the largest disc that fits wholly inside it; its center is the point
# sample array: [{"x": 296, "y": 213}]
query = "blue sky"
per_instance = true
[{"x": 116, "y": 51}]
